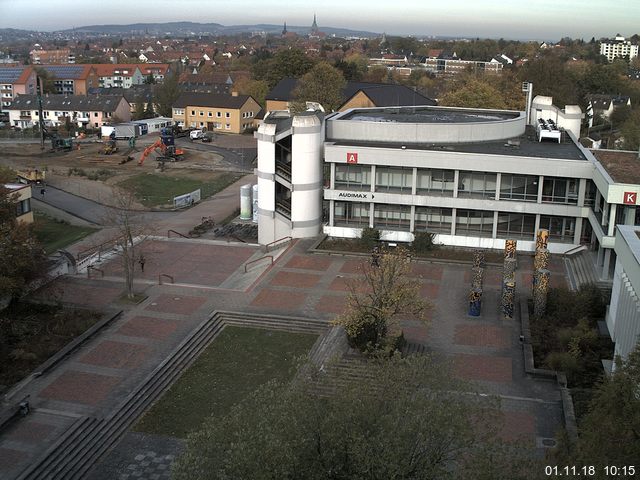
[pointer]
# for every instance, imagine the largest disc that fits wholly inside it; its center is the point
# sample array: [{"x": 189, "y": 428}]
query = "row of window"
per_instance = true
[
  {"x": 218, "y": 114},
  {"x": 470, "y": 184},
  {"x": 473, "y": 223}
]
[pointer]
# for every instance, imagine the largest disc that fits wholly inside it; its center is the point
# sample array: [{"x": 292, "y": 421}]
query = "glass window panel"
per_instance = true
[
  {"x": 516, "y": 225},
  {"x": 351, "y": 214},
  {"x": 435, "y": 182},
  {"x": 352, "y": 177},
  {"x": 393, "y": 179},
  {"x": 474, "y": 223},
  {"x": 519, "y": 187},
  {"x": 433, "y": 219},
  {"x": 392, "y": 217}
]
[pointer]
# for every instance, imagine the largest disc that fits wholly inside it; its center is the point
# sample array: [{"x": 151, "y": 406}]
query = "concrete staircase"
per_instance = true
[
  {"x": 80, "y": 447},
  {"x": 582, "y": 271}
]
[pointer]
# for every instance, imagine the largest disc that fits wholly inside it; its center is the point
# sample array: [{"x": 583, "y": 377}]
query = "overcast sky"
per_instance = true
[{"x": 516, "y": 19}]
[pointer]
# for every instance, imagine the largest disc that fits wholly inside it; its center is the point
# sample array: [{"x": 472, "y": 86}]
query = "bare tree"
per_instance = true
[{"x": 130, "y": 229}]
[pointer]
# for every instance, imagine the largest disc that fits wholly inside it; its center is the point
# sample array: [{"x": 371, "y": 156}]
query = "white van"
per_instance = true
[{"x": 196, "y": 134}]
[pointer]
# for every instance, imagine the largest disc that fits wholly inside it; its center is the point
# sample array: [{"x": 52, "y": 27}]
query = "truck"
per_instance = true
[
  {"x": 121, "y": 131},
  {"x": 31, "y": 176}
]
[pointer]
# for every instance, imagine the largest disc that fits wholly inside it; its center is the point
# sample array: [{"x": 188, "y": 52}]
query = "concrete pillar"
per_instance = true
[
  {"x": 578, "y": 231},
  {"x": 456, "y": 179},
  {"x": 604, "y": 275},
  {"x": 453, "y": 221},
  {"x": 373, "y": 179},
  {"x": 371, "y": 217},
  {"x": 412, "y": 221},
  {"x": 540, "y": 184},
  {"x": 612, "y": 219},
  {"x": 582, "y": 191},
  {"x": 414, "y": 181},
  {"x": 332, "y": 179},
  {"x": 494, "y": 231},
  {"x": 600, "y": 256},
  {"x": 331, "y": 213},
  {"x": 498, "y": 183},
  {"x": 536, "y": 226}
]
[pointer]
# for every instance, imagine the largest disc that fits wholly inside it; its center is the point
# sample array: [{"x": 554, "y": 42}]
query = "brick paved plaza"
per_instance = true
[{"x": 95, "y": 378}]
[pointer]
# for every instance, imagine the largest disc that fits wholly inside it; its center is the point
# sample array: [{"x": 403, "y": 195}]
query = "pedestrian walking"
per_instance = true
[
  {"x": 42, "y": 192},
  {"x": 375, "y": 257},
  {"x": 141, "y": 261}
]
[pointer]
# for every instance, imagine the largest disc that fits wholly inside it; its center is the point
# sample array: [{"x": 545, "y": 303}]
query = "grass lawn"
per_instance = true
[
  {"x": 55, "y": 234},
  {"x": 235, "y": 364},
  {"x": 153, "y": 190}
]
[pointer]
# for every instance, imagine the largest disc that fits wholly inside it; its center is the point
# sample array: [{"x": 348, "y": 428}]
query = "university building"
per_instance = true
[{"x": 472, "y": 177}]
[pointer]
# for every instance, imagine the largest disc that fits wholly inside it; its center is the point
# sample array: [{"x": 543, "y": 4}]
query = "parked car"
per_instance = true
[
  {"x": 208, "y": 137},
  {"x": 196, "y": 134}
]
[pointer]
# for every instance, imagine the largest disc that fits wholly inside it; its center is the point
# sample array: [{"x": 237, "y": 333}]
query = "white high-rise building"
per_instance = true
[{"x": 618, "y": 47}]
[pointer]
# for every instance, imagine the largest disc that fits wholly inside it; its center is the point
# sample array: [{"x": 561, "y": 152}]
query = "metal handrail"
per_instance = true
[
  {"x": 257, "y": 260},
  {"x": 573, "y": 250},
  {"x": 165, "y": 275},
  {"x": 91, "y": 267},
  {"x": 176, "y": 232},
  {"x": 96, "y": 249},
  {"x": 266, "y": 247}
]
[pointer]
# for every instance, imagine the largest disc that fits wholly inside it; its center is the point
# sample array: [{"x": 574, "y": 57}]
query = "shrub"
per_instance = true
[
  {"x": 422, "y": 242},
  {"x": 370, "y": 237}
]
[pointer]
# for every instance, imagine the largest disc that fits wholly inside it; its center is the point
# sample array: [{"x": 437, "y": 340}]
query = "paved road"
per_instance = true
[
  {"x": 86, "y": 209},
  {"x": 237, "y": 159}
]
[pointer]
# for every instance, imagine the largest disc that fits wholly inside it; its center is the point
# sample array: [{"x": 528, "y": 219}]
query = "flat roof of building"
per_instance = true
[
  {"x": 424, "y": 114},
  {"x": 526, "y": 145},
  {"x": 623, "y": 166}
]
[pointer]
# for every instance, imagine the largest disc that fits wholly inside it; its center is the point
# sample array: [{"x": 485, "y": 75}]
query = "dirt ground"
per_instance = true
[{"x": 197, "y": 165}]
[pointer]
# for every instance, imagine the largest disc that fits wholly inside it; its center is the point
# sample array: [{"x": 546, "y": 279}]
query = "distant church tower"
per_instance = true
[
  {"x": 284, "y": 30},
  {"x": 314, "y": 26}
]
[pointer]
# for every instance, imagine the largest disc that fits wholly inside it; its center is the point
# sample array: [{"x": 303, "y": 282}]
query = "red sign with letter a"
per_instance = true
[
  {"x": 352, "y": 157},
  {"x": 630, "y": 198}
]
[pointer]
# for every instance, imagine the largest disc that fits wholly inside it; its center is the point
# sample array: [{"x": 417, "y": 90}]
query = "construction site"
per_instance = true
[{"x": 90, "y": 167}]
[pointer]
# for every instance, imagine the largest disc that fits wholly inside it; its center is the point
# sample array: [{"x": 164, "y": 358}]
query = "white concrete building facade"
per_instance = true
[
  {"x": 623, "y": 313},
  {"x": 618, "y": 47},
  {"x": 472, "y": 177}
]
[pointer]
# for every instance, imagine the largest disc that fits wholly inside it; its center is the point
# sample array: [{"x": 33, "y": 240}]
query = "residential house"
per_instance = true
[
  {"x": 159, "y": 71},
  {"x": 135, "y": 94},
  {"x": 16, "y": 81},
  {"x": 118, "y": 75},
  {"x": 604, "y": 105},
  {"x": 72, "y": 79},
  {"x": 23, "y": 201},
  {"x": 216, "y": 112},
  {"x": 85, "y": 111},
  {"x": 355, "y": 95},
  {"x": 58, "y": 56}
]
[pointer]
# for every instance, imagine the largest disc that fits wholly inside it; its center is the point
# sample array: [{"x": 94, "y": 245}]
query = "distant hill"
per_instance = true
[{"x": 194, "y": 28}]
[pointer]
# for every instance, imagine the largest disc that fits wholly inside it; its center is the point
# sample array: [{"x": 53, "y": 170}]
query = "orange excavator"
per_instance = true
[{"x": 167, "y": 150}]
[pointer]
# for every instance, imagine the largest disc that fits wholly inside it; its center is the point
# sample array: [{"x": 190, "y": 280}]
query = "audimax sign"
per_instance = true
[{"x": 356, "y": 195}]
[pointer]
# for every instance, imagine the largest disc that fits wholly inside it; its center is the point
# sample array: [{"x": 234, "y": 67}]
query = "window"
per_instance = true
[
  {"x": 95, "y": 114},
  {"x": 392, "y": 217},
  {"x": 353, "y": 177},
  {"x": 351, "y": 214},
  {"x": 23, "y": 206},
  {"x": 193, "y": 112},
  {"x": 201, "y": 124},
  {"x": 477, "y": 184},
  {"x": 561, "y": 229},
  {"x": 227, "y": 114},
  {"x": 218, "y": 114},
  {"x": 560, "y": 190},
  {"x": 516, "y": 225},
  {"x": 433, "y": 219},
  {"x": 519, "y": 187},
  {"x": 209, "y": 114},
  {"x": 474, "y": 223},
  {"x": 393, "y": 179},
  {"x": 435, "y": 182},
  {"x": 201, "y": 113},
  {"x": 227, "y": 126}
]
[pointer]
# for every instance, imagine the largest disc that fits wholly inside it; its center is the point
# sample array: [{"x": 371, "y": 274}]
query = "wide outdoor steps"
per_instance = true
[
  {"x": 582, "y": 271},
  {"x": 89, "y": 438}
]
